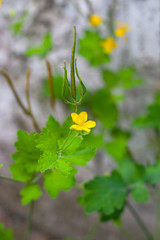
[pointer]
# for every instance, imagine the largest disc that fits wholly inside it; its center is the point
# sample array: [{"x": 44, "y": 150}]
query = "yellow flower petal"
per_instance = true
[
  {"x": 76, "y": 127},
  {"x": 86, "y": 129},
  {"x": 90, "y": 124},
  {"x": 75, "y": 118},
  {"x": 83, "y": 117},
  {"x": 109, "y": 44},
  {"x": 95, "y": 20},
  {"x": 122, "y": 29}
]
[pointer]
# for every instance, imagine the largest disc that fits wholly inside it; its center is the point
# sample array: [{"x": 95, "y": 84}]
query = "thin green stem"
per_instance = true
[
  {"x": 65, "y": 141},
  {"x": 29, "y": 222},
  {"x": 9, "y": 179},
  {"x": 70, "y": 142},
  {"x": 76, "y": 108},
  {"x": 37, "y": 178},
  {"x": 139, "y": 221}
]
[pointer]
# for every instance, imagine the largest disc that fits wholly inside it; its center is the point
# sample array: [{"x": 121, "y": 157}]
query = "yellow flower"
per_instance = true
[
  {"x": 81, "y": 122},
  {"x": 109, "y": 45},
  {"x": 121, "y": 30},
  {"x": 0, "y": 3},
  {"x": 95, "y": 20}
]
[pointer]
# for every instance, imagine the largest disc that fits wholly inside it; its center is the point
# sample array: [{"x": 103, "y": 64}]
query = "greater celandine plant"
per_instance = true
[{"x": 54, "y": 152}]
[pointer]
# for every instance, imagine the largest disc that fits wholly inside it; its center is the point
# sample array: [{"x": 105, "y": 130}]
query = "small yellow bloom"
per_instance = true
[
  {"x": 121, "y": 30},
  {"x": 95, "y": 20},
  {"x": 81, "y": 122},
  {"x": 109, "y": 45}
]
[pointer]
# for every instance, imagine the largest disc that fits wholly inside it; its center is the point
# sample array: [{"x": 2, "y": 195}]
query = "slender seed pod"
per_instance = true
[{"x": 73, "y": 82}]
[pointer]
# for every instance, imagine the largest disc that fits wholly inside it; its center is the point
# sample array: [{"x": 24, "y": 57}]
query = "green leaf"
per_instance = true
[
  {"x": 29, "y": 193},
  {"x": 17, "y": 27},
  {"x": 152, "y": 117},
  {"x": 54, "y": 182},
  {"x": 6, "y": 234},
  {"x": 26, "y": 157},
  {"x": 127, "y": 77},
  {"x": 111, "y": 79},
  {"x": 92, "y": 141},
  {"x": 1, "y": 165},
  {"x": 113, "y": 216},
  {"x": 140, "y": 193},
  {"x": 152, "y": 174},
  {"x": 80, "y": 157},
  {"x": 131, "y": 172},
  {"x": 104, "y": 194},
  {"x": 90, "y": 48},
  {"x": 104, "y": 108},
  {"x": 117, "y": 148},
  {"x": 42, "y": 49}
]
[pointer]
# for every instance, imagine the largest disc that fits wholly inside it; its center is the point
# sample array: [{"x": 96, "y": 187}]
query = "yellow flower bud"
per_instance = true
[{"x": 95, "y": 20}]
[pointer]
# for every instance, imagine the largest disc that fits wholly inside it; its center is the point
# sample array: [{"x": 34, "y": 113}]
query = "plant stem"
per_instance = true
[
  {"x": 139, "y": 221},
  {"x": 9, "y": 81},
  {"x": 37, "y": 178},
  {"x": 30, "y": 113},
  {"x": 9, "y": 179},
  {"x": 50, "y": 82},
  {"x": 70, "y": 142},
  {"x": 65, "y": 141},
  {"x": 29, "y": 223}
]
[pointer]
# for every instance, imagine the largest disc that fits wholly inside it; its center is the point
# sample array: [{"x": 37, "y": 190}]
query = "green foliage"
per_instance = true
[
  {"x": 125, "y": 78},
  {"x": 140, "y": 193},
  {"x": 113, "y": 216},
  {"x": 29, "y": 193},
  {"x": 54, "y": 182},
  {"x": 5, "y": 234},
  {"x": 41, "y": 50},
  {"x": 152, "y": 174},
  {"x": 105, "y": 194},
  {"x": 131, "y": 172},
  {"x": 17, "y": 27},
  {"x": 1, "y": 165},
  {"x": 104, "y": 108},
  {"x": 117, "y": 148},
  {"x": 26, "y": 157},
  {"x": 90, "y": 48},
  {"x": 152, "y": 118},
  {"x": 54, "y": 155}
]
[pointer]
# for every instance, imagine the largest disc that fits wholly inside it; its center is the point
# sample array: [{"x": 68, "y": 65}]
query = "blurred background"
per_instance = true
[{"x": 25, "y": 24}]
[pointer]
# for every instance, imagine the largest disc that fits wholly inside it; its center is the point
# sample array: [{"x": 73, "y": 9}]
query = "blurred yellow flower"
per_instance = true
[
  {"x": 109, "y": 45},
  {"x": 122, "y": 29},
  {"x": 81, "y": 122},
  {"x": 0, "y": 3},
  {"x": 95, "y": 20}
]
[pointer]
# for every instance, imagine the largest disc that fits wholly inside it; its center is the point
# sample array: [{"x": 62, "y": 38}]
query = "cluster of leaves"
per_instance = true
[
  {"x": 108, "y": 194},
  {"x": 90, "y": 47},
  {"x": 47, "y": 153}
]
